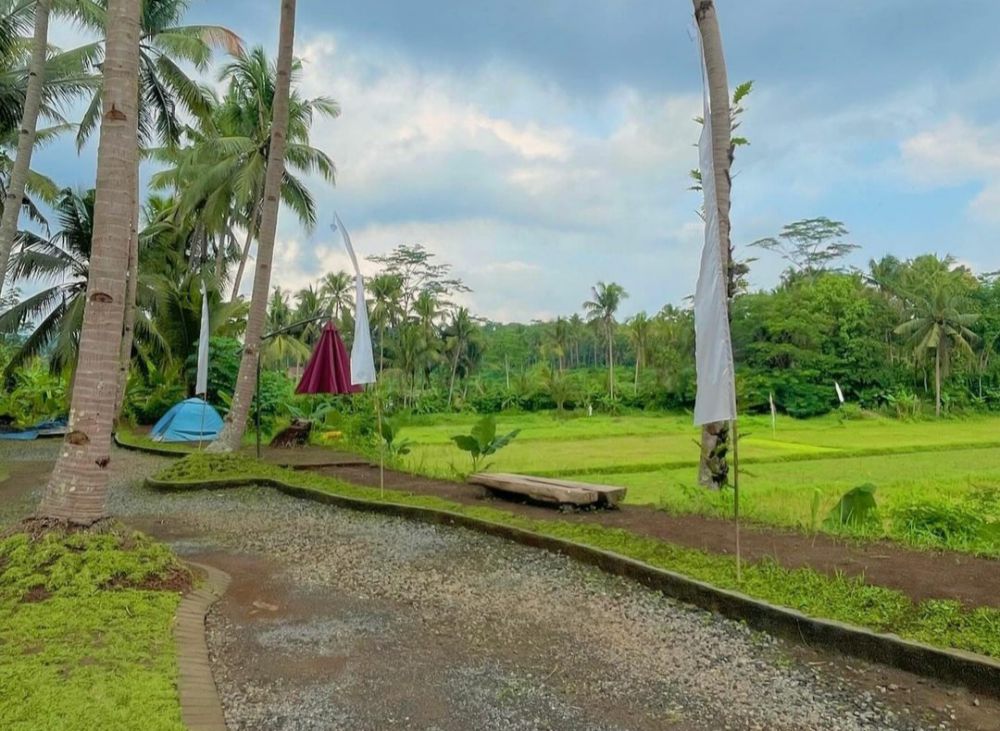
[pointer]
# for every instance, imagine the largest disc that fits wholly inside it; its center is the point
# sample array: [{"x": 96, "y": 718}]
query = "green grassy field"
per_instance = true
[
  {"x": 86, "y": 633},
  {"x": 792, "y": 477}
]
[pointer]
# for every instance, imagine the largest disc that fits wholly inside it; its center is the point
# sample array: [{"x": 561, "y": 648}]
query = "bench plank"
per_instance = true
[
  {"x": 608, "y": 494},
  {"x": 536, "y": 490}
]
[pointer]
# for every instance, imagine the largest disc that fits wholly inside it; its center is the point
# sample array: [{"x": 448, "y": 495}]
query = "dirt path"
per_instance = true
[{"x": 919, "y": 574}]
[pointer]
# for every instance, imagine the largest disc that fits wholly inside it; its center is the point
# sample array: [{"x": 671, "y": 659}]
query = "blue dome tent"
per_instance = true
[{"x": 192, "y": 420}]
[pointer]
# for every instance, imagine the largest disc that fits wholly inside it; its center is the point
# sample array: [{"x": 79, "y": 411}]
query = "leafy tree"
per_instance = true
[
  {"x": 601, "y": 309},
  {"x": 810, "y": 246},
  {"x": 418, "y": 273}
]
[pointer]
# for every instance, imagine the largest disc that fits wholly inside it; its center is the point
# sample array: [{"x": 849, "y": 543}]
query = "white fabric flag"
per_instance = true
[
  {"x": 715, "y": 398},
  {"x": 201, "y": 380},
  {"x": 362, "y": 353},
  {"x": 840, "y": 394}
]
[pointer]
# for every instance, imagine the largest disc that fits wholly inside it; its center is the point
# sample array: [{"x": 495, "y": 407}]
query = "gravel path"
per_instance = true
[{"x": 344, "y": 620}]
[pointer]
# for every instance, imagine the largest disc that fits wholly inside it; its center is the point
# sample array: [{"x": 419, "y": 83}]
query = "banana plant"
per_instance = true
[{"x": 483, "y": 441}]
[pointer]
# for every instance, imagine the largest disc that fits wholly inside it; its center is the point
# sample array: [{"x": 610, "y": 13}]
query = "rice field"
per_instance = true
[{"x": 791, "y": 476}]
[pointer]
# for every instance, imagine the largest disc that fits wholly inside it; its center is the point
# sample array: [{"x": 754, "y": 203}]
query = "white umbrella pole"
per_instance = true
[
  {"x": 381, "y": 440},
  {"x": 736, "y": 497}
]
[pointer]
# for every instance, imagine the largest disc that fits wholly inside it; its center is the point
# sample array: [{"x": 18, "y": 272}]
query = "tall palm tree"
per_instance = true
[
  {"x": 310, "y": 304},
  {"x": 337, "y": 289},
  {"x": 223, "y": 171},
  {"x": 77, "y": 489},
  {"x": 713, "y": 470},
  {"x": 459, "y": 336},
  {"x": 936, "y": 322},
  {"x": 601, "y": 309},
  {"x": 560, "y": 339},
  {"x": 14, "y": 195},
  {"x": 164, "y": 86},
  {"x": 387, "y": 307},
  {"x": 639, "y": 326},
  {"x": 285, "y": 348},
  {"x": 235, "y": 424}
]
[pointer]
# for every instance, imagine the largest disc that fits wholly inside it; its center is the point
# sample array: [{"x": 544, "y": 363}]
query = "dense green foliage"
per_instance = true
[
  {"x": 942, "y": 623},
  {"x": 86, "y": 634}
]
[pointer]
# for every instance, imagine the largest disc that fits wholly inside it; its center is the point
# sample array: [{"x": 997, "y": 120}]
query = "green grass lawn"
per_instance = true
[
  {"x": 790, "y": 477},
  {"x": 85, "y": 633}
]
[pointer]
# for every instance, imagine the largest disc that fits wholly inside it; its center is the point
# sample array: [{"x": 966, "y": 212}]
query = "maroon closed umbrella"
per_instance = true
[{"x": 329, "y": 367}]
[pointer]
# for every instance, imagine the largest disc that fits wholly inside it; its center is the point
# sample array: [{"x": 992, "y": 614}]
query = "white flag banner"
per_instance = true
[
  {"x": 715, "y": 398},
  {"x": 840, "y": 394},
  {"x": 362, "y": 353},
  {"x": 774, "y": 412},
  {"x": 201, "y": 380}
]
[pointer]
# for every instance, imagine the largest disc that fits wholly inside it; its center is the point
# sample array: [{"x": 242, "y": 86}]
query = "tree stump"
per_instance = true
[{"x": 295, "y": 434}]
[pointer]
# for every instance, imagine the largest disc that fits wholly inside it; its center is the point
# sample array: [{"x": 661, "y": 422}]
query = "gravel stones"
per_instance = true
[{"x": 350, "y": 620}]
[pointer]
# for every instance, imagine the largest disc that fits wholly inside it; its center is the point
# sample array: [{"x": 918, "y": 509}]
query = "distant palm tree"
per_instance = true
[
  {"x": 458, "y": 337},
  {"x": 601, "y": 309},
  {"x": 285, "y": 348},
  {"x": 387, "y": 309},
  {"x": 337, "y": 289},
  {"x": 639, "y": 326},
  {"x": 560, "y": 339},
  {"x": 936, "y": 322},
  {"x": 310, "y": 304}
]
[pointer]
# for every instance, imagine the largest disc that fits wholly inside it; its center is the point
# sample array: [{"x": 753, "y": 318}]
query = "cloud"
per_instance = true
[
  {"x": 957, "y": 151},
  {"x": 530, "y": 212}
]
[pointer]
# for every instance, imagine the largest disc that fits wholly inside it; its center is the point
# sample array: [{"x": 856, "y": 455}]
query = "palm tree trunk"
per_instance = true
[
  {"x": 131, "y": 285},
  {"x": 242, "y": 265},
  {"x": 937, "y": 381},
  {"x": 638, "y": 357},
  {"x": 25, "y": 136},
  {"x": 611, "y": 364},
  {"x": 713, "y": 467},
  {"x": 77, "y": 489},
  {"x": 454, "y": 371},
  {"x": 236, "y": 419}
]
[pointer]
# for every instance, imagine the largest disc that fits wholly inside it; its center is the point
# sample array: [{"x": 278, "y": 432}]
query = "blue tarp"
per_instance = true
[
  {"x": 192, "y": 420},
  {"x": 24, "y": 435}
]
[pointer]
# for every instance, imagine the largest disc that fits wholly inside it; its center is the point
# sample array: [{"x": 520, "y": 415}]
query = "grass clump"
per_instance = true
[
  {"x": 85, "y": 627},
  {"x": 838, "y": 597}
]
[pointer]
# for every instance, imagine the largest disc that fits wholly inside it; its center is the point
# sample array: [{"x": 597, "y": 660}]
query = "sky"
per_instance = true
[{"x": 539, "y": 146}]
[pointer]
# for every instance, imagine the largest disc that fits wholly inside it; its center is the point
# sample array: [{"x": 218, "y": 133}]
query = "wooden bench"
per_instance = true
[{"x": 548, "y": 490}]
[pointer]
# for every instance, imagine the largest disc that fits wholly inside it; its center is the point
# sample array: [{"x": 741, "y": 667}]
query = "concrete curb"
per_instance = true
[
  {"x": 201, "y": 709},
  {"x": 148, "y": 450},
  {"x": 976, "y": 672}
]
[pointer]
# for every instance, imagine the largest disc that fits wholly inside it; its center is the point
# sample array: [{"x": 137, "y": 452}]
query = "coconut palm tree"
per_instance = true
[
  {"x": 164, "y": 87},
  {"x": 77, "y": 489},
  {"x": 937, "y": 323},
  {"x": 57, "y": 310},
  {"x": 235, "y": 425},
  {"x": 310, "y": 304},
  {"x": 285, "y": 348},
  {"x": 639, "y": 326},
  {"x": 223, "y": 171},
  {"x": 600, "y": 310},
  {"x": 387, "y": 307},
  {"x": 14, "y": 193},
  {"x": 459, "y": 335},
  {"x": 337, "y": 289}
]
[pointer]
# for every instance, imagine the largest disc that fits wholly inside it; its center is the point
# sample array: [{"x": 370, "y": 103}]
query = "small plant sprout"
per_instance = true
[{"x": 483, "y": 441}]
